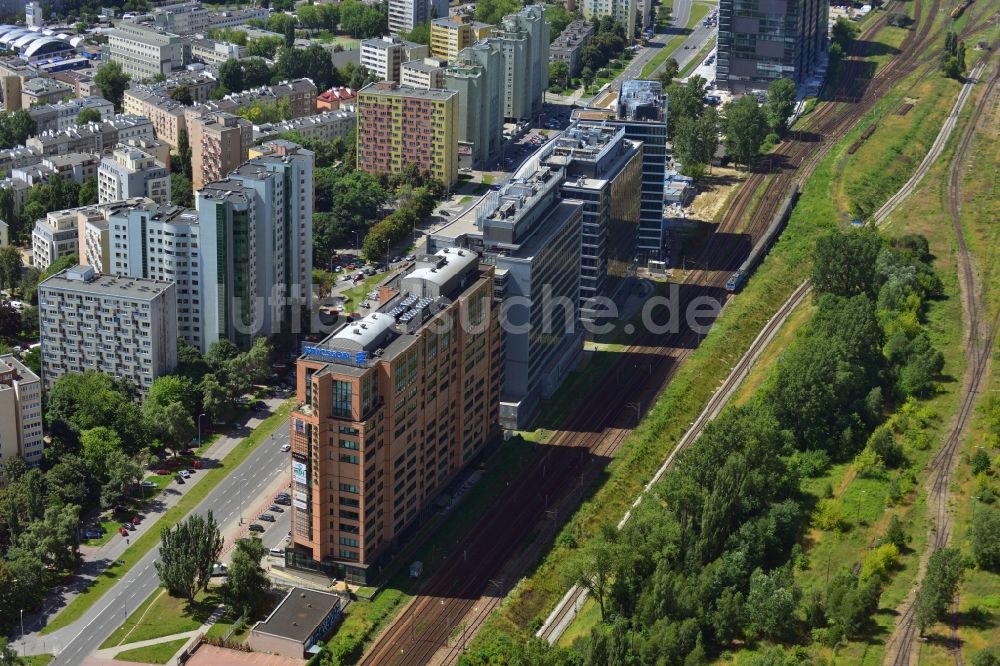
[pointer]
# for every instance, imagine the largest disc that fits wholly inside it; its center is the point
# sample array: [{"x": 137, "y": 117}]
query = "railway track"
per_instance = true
[
  {"x": 980, "y": 340},
  {"x": 436, "y": 625}
]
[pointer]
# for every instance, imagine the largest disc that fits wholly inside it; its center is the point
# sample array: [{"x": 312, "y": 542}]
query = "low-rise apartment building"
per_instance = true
[
  {"x": 390, "y": 408},
  {"x": 570, "y": 44},
  {"x": 320, "y": 127},
  {"x": 93, "y": 137},
  {"x": 427, "y": 73},
  {"x": 62, "y": 116}
]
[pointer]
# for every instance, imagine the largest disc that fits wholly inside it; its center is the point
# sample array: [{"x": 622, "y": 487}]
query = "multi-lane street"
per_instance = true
[{"x": 239, "y": 493}]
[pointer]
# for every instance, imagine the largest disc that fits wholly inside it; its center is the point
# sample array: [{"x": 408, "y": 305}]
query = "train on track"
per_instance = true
[
  {"x": 957, "y": 11},
  {"x": 737, "y": 279}
]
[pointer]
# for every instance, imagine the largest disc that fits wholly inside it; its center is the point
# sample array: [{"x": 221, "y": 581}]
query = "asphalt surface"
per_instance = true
[{"x": 239, "y": 490}]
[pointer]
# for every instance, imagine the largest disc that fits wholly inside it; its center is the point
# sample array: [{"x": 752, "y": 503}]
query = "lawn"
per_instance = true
[
  {"x": 76, "y": 608},
  {"x": 159, "y": 653},
  {"x": 38, "y": 659},
  {"x": 346, "y": 41},
  {"x": 359, "y": 293},
  {"x": 220, "y": 629},
  {"x": 163, "y": 615},
  {"x": 698, "y": 12}
]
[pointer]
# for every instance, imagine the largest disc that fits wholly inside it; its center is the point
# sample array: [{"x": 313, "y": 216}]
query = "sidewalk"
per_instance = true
[{"x": 96, "y": 559}]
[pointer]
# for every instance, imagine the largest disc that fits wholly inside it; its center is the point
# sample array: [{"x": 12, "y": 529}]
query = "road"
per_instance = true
[{"x": 233, "y": 495}]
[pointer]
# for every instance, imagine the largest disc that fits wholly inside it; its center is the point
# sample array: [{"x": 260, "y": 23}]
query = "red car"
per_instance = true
[
  {"x": 163, "y": 472},
  {"x": 123, "y": 531},
  {"x": 135, "y": 520},
  {"x": 197, "y": 464},
  {"x": 173, "y": 463}
]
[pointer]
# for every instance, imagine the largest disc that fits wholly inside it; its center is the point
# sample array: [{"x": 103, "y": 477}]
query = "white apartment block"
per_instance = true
[
  {"x": 383, "y": 56},
  {"x": 54, "y": 237},
  {"x": 145, "y": 53},
  {"x": 427, "y": 73},
  {"x": 131, "y": 172},
  {"x": 20, "y": 413},
  {"x": 123, "y": 326},
  {"x": 404, "y": 15},
  {"x": 62, "y": 116},
  {"x": 161, "y": 242}
]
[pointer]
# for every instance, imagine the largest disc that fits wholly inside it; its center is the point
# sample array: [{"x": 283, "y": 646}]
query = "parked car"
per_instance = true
[
  {"x": 411, "y": 257},
  {"x": 219, "y": 569},
  {"x": 275, "y": 508},
  {"x": 256, "y": 527},
  {"x": 150, "y": 484},
  {"x": 136, "y": 520},
  {"x": 93, "y": 534},
  {"x": 128, "y": 526},
  {"x": 179, "y": 479},
  {"x": 267, "y": 518},
  {"x": 123, "y": 531},
  {"x": 197, "y": 464},
  {"x": 173, "y": 462},
  {"x": 163, "y": 471},
  {"x": 283, "y": 501},
  {"x": 286, "y": 447},
  {"x": 183, "y": 474},
  {"x": 277, "y": 552}
]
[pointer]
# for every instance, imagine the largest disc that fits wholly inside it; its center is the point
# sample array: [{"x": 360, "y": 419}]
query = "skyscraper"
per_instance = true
[
  {"x": 523, "y": 40},
  {"x": 642, "y": 111},
  {"x": 477, "y": 76},
  {"x": 760, "y": 42}
]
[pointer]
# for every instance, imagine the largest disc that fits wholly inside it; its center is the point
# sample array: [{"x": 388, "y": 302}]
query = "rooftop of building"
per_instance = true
[
  {"x": 86, "y": 279},
  {"x": 43, "y": 85},
  {"x": 426, "y": 65},
  {"x": 393, "y": 89},
  {"x": 458, "y": 20},
  {"x": 387, "y": 41},
  {"x": 11, "y": 370},
  {"x": 164, "y": 213},
  {"x": 416, "y": 295},
  {"x": 642, "y": 99},
  {"x": 299, "y": 614}
]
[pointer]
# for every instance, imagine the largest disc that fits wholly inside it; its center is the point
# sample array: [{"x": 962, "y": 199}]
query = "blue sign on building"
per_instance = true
[{"x": 358, "y": 358}]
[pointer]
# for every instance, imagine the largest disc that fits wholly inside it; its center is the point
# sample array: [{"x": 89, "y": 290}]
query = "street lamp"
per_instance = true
[
  {"x": 23, "y": 648},
  {"x": 199, "y": 428}
]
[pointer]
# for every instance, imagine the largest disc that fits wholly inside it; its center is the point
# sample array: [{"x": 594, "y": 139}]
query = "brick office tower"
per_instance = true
[{"x": 390, "y": 408}]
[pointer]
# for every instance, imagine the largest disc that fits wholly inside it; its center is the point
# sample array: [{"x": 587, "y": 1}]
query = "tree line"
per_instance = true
[{"x": 707, "y": 560}]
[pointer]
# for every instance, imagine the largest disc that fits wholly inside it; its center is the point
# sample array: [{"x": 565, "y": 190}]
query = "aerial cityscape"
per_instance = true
[{"x": 563, "y": 333}]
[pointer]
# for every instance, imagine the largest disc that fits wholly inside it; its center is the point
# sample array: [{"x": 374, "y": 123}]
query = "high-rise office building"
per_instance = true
[
  {"x": 20, "y": 413},
  {"x": 642, "y": 111},
  {"x": 123, "y": 326},
  {"x": 523, "y": 40},
  {"x": 131, "y": 172},
  {"x": 398, "y": 126},
  {"x": 602, "y": 169},
  {"x": 390, "y": 408},
  {"x": 451, "y": 34},
  {"x": 476, "y": 74},
  {"x": 256, "y": 237},
  {"x": 220, "y": 142},
  {"x": 533, "y": 237},
  {"x": 761, "y": 42},
  {"x": 405, "y": 15}
]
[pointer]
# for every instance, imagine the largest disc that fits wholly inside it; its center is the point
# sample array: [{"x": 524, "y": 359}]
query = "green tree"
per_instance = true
[
  {"x": 88, "y": 193},
  {"x": 8, "y": 655},
  {"x": 188, "y": 553},
  {"x": 171, "y": 424},
  {"x": 558, "y": 74},
  {"x": 780, "y": 104},
  {"x": 944, "y": 572},
  {"x": 182, "y": 94},
  {"x": 745, "y": 129},
  {"x": 687, "y": 100},
  {"x": 112, "y": 82},
  {"x": 15, "y": 128},
  {"x": 596, "y": 565},
  {"x": 53, "y": 538},
  {"x": 173, "y": 388},
  {"x": 11, "y": 265},
  {"x": 247, "y": 585},
  {"x": 81, "y": 401},
  {"x": 695, "y": 140},
  {"x": 771, "y": 603},
  {"x": 362, "y": 21},
  {"x": 181, "y": 190},
  {"x": 88, "y": 115},
  {"x": 183, "y": 163},
  {"x": 290, "y": 34},
  {"x": 587, "y": 76},
  {"x": 216, "y": 400},
  {"x": 67, "y": 481},
  {"x": 670, "y": 69},
  {"x": 121, "y": 474},
  {"x": 421, "y": 34},
  {"x": 980, "y": 461},
  {"x": 844, "y": 263},
  {"x": 493, "y": 11},
  {"x": 985, "y": 536},
  {"x": 97, "y": 447}
]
